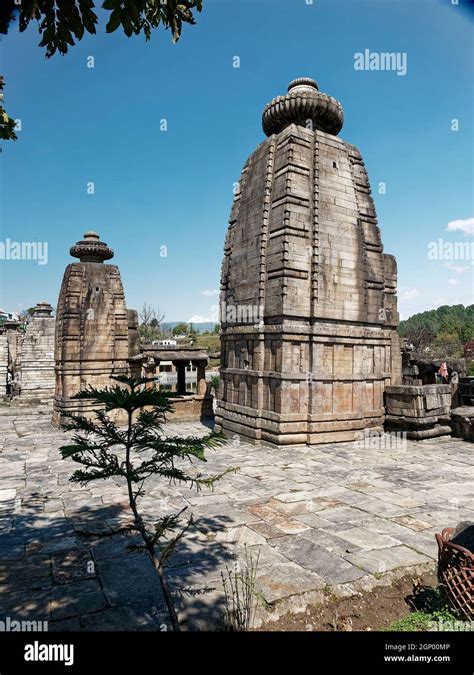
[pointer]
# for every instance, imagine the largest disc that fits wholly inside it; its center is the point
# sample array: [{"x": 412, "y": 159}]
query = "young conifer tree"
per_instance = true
[{"x": 136, "y": 452}]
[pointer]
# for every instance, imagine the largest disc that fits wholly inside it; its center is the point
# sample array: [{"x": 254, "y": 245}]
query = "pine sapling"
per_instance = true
[{"x": 135, "y": 452}]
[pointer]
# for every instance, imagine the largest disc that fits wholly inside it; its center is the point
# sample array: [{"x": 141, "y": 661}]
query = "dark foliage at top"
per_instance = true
[{"x": 61, "y": 23}]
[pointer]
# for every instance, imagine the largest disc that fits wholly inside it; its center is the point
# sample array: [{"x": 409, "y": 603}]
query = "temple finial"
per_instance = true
[
  {"x": 91, "y": 249},
  {"x": 304, "y": 105}
]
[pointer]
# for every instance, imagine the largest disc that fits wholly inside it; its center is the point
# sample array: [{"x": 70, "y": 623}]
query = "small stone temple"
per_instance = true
[
  {"x": 37, "y": 355},
  {"x": 95, "y": 333},
  {"x": 308, "y": 296},
  {"x": 3, "y": 364}
]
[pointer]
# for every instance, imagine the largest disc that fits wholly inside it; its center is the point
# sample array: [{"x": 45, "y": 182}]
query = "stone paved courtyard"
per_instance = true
[{"x": 335, "y": 517}]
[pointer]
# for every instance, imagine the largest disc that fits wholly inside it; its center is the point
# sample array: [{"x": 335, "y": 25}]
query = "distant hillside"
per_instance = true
[
  {"x": 198, "y": 327},
  {"x": 445, "y": 325}
]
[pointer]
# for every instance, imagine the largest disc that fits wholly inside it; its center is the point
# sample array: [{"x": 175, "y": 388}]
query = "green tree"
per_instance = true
[
  {"x": 426, "y": 328},
  {"x": 217, "y": 329},
  {"x": 149, "y": 328},
  {"x": 7, "y": 124},
  {"x": 62, "y": 23},
  {"x": 215, "y": 380},
  {"x": 181, "y": 328},
  {"x": 134, "y": 454}
]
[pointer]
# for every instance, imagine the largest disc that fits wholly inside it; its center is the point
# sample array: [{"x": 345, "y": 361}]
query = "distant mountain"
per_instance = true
[{"x": 199, "y": 327}]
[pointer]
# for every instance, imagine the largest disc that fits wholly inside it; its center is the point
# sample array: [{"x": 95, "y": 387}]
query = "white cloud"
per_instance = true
[
  {"x": 459, "y": 269},
  {"x": 209, "y": 292},
  {"x": 196, "y": 318},
  {"x": 409, "y": 293},
  {"x": 466, "y": 226}
]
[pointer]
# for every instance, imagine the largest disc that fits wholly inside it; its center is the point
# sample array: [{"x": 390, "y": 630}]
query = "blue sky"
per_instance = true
[{"x": 173, "y": 188}]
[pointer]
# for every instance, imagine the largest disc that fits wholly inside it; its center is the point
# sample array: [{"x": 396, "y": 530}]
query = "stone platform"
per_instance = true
[
  {"x": 462, "y": 421},
  {"x": 421, "y": 411},
  {"x": 335, "y": 517}
]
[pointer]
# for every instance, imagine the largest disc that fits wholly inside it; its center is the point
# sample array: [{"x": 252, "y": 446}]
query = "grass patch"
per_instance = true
[
  {"x": 432, "y": 608},
  {"x": 210, "y": 342}
]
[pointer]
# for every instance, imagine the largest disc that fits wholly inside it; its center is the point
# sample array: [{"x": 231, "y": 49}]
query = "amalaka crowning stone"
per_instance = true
[
  {"x": 91, "y": 249},
  {"x": 95, "y": 333},
  {"x": 305, "y": 105},
  {"x": 308, "y": 296}
]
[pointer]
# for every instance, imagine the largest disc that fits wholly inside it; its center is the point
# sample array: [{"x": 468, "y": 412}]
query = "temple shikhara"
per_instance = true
[
  {"x": 95, "y": 332},
  {"x": 97, "y": 338},
  {"x": 311, "y": 342}
]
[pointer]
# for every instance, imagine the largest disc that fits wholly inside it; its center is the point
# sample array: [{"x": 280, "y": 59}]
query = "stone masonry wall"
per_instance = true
[
  {"x": 420, "y": 411},
  {"x": 37, "y": 359},
  {"x": 3, "y": 364}
]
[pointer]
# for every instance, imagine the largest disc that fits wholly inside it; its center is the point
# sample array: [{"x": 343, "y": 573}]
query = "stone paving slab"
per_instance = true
[
  {"x": 331, "y": 568},
  {"x": 332, "y": 515},
  {"x": 383, "y": 560},
  {"x": 284, "y": 580}
]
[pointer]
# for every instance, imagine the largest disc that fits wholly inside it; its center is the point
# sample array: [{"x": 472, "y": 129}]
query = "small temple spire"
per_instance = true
[{"x": 43, "y": 310}]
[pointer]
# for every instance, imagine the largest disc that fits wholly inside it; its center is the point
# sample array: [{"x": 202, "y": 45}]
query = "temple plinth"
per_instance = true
[{"x": 308, "y": 296}]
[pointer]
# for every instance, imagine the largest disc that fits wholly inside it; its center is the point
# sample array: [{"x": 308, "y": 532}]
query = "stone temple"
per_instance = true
[
  {"x": 308, "y": 296},
  {"x": 37, "y": 355},
  {"x": 95, "y": 332}
]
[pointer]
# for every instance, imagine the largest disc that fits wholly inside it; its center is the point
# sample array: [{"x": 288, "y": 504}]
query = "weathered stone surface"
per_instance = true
[
  {"x": 28, "y": 604},
  {"x": 76, "y": 599},
  {"x": 11, "y": 340},
  {"x": 130, "y": 579},
  {"x": 462, "y": 422},
  {"x": 417, "y": 410},
  {"x": 94, "y": 330},
  {"x": 365, "y": 539},
  {"x": 358, "y": 502},
  {"x": 331, "y": 568},
  {"x": 331, "y": 540},
  {"x": 412, "y": 523},
  {"x": 73, "y": 564},
  {"x": 308, "y": 304},
  {"x": 126, "y": 618},
  {"x": 286, "y": 579},
  {"x": 3, "y": 363},
  {"x": 37, "y": 355},
  {"x": 240, "y": 536},
  {"x": 267, "y": 530},
  {"x": 37, "y": 567},
  {"x": 386, "y": 559},
  {"x": 64, "y": 625}
]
